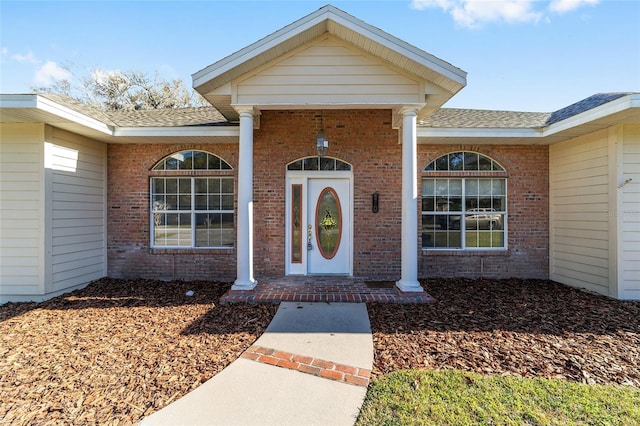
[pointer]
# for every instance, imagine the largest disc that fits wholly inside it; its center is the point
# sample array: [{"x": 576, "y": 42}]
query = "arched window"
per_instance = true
[
  {"x": 192, "y": 160},
  {"x": 463, "y": 161},
  {"x": 192, "y": 211},
  {"x": 464, "y": 203}
]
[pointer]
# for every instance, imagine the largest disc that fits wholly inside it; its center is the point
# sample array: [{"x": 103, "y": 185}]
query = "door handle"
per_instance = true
[{"x": 309, "y": 246}]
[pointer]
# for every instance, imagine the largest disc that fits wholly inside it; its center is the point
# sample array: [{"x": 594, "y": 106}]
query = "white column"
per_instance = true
[
  {"x": 244, "y": 242},
  {"x": 409, "y": 274}
]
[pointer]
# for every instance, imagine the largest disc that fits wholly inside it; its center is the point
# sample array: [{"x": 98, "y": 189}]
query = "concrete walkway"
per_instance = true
[{"x": 310, "y": 367}]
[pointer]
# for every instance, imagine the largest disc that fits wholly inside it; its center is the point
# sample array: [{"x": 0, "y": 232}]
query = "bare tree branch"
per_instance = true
[{"x": 126, "y": 91}]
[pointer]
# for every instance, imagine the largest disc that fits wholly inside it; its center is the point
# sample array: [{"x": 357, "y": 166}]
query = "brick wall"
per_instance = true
[
  {"x": 528, "y": 218},
  {"x": 128, "y": 219},
  {"x": 362, "y": 138}
]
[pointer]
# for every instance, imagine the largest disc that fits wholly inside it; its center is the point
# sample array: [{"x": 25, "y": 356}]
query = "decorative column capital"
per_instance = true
[
  {"x": 245, "y": 110},
  {"x": 248, "y": 111},
  {"x": 409, "y": 110},
  {"x": 405, "y": 111}
]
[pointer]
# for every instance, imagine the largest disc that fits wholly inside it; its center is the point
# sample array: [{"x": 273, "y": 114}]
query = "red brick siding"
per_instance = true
[
  {"x": 363, "y": 138},
  {"x": 128, "y": 219},
  {"x": 528, "y": 217},
  {"x": 366, "y": 140}
]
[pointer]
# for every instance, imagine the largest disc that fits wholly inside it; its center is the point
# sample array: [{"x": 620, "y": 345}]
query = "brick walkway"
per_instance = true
[
  {"x": 323, "y": 289},
  {"x": 306, "y": 364}
]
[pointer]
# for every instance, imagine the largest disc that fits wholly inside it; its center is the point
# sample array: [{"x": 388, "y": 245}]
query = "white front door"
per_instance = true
[
  {"x": 319, "y": 237},
  {"x": 329, "y": 222}
]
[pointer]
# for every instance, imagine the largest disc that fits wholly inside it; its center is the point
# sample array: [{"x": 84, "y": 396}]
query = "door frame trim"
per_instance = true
[{"x": 293, "y": 177}]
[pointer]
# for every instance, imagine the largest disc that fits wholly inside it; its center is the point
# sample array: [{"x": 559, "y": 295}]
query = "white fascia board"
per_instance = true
[
  {"x": 45, "y": 105},
  {"x": 602, "y": 111},
  {"x": 185, "y": 131},
  {"x": 61, "y": 111},
  {"x": 458, "y": 132}
]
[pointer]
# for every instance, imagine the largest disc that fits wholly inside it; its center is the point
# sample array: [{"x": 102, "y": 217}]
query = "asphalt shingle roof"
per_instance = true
[
  {"x": 478, "y": 118},
  {"x": 584, "y": 105},
  {"x": 443, "y": 118},
  {"x": 195, "y": 116}
]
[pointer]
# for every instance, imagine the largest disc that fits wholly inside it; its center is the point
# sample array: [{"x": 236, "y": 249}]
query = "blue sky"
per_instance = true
[{"x": 525, "y": 55}]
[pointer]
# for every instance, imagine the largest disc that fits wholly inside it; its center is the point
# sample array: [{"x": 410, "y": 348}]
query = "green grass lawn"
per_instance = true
[{"x": 417, "y": 397}]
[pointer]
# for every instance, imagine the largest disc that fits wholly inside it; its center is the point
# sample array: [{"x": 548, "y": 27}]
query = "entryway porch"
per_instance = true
[{"x": 324, "y": 289}]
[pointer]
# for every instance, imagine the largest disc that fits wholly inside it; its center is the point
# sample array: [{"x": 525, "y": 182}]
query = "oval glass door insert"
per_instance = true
[{"x": 328, "y": 223}]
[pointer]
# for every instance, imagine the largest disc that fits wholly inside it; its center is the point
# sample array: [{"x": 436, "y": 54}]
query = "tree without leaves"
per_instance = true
[{"x": 126, "y": 91}]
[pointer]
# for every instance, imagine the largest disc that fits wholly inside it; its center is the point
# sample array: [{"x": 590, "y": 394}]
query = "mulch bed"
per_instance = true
[
  {"x": 117, "y": 351},
  {"x": 528, "y": 328}
]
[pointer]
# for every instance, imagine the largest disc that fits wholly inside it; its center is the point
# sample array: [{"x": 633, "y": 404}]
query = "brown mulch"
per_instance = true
[
  {"x": 117, "y": 350},
  {"x": 528, "y": 328}
]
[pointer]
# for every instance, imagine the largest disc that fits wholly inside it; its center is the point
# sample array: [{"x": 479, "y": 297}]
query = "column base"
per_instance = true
[
  {"x": 244, "y": 285},
  {"x": 409, "y": 286}
]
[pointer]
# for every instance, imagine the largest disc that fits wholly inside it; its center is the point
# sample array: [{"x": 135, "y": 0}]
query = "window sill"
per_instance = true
[{"x": 481, "y": 253}]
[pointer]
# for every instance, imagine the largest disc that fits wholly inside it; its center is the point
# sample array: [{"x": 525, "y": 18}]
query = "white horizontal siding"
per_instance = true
[
  {"x": 568, "y": 248},
  {"x": 78, "y": 196},
  {"x": 21, "y": 211},
  {"x": 580, "y": 226},
  {"x": 76, "y": 223},
  {"x": 630, "y": 256},
  {"x": 70, "y": 256},
  {"x": 579, "y": 211},
  {"x": 328, "y": 72}
]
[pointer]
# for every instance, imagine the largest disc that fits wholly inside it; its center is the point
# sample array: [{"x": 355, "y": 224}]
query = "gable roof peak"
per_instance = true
[
  {"x": 316, "y": 20},
  {"x": 213, "y": 81}
]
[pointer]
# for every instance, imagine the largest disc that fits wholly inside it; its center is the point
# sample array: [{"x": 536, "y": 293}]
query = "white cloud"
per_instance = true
[
  {"x": 50, "y": 72},
  {"x": 563, "y": 6},
  {"x": 476, "y": 13},
  {"x": 5, "y": 51},
  {"x": 29, "y": 57}
]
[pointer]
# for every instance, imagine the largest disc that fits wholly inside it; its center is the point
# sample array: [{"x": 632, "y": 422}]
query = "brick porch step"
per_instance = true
[{"x": 323, "y": 289}]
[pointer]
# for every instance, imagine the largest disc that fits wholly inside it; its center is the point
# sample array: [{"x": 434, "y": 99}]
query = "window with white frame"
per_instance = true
[
  {"x": 319, "y": 163},
  {"x": 192, "y": 211},
  {"x": 464, "y": 203}
]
